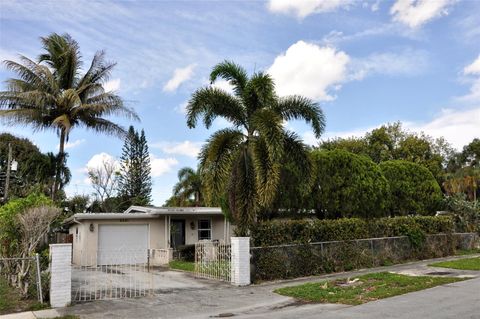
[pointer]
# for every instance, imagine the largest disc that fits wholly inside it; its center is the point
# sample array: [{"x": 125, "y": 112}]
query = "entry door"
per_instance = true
[{"x": 177, "y": 232}]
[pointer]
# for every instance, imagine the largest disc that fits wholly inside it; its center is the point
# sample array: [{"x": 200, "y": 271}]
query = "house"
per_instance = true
[{"x": 142, "y": 234}]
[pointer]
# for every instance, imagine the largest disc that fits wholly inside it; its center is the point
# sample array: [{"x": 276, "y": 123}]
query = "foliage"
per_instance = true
[
  {"x": 364, "y": 288},
  {"x": 466, "y": 213},
  {"x": 23, "y": 223},
  {"x": 392, "y": 142},
  {"x": 278, "y": 232},
  {"x": 35, "y": 170},
  {"x": 104, "y": 180},
  {"x": 188, "y": 191},
  {"x": 52, "y": 94},
  {"x": 76, "y": 204},
  {"x": 413, "y": 188},
  {"x": 243, "y": 163},
  {"x": 135, "y": 181},
  {"x": 349, "y": 185}
]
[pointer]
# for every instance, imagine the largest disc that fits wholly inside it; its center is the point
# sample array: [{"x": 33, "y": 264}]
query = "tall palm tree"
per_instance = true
[
  {"x": 189, "y": 185},
  {"x": 241, "y": 165},
  {"x": 51, "y": 93}
]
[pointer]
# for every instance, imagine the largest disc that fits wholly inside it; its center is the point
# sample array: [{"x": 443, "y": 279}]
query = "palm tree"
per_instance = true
[
  {"x": 241, "y": 165},
  {"x": 51, "y": 93},
  {"x": 189, "y": 185}
]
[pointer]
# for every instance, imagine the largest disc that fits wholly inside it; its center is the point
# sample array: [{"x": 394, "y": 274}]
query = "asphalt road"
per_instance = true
[{"x": 459, "y": 300}]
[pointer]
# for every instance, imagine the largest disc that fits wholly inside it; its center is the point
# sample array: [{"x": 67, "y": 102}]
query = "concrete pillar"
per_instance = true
[
  {"x": 240, "y": 250},
  {"x": 61, "y": 275}
]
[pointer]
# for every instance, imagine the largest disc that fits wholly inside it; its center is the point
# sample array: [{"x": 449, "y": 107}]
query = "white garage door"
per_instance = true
[{"x": 122, "y": 244}]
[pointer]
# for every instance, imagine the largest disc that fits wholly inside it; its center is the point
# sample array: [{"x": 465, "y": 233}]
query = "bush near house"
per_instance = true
[
  {"x": 414, "y": 189},
  {"x": 278, "y": 232},
  {"x": 349, "y": 185}
]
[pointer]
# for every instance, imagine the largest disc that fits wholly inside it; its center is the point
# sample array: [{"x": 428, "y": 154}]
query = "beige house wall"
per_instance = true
[{"x": 86, "y": 241}]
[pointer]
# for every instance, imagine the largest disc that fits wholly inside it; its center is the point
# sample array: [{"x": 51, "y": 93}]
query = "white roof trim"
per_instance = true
[{"x": 173, "y": 210}]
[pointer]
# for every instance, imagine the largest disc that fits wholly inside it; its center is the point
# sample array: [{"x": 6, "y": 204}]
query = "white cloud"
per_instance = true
[
  {"x": 303, "y": 8},
  {"x": 223, "y": 85},
  {"x": 112, "y": 85},
  {"x": 407, "y": 62},
  {"x": 185, "y": 148},
  {"x": 474, "y": 68},
  {"x": 161, "y": 166},
  {"x": 180, "y": 75},
  {"x": 182, "y": 108},
  {"x": 415, "y": 13},
  {"x": 458, "y": 127},
  {"x": 73, "y": 144},
  {"x": 310, "y": 70},
  {"x": 97, "y": 160}
]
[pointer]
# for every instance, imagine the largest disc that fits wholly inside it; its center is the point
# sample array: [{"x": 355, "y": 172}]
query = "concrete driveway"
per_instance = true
[{"x": 186, "y": 297}]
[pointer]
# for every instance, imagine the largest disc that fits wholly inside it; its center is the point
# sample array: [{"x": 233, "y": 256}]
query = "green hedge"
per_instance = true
[{"x": 278, "y": 232}]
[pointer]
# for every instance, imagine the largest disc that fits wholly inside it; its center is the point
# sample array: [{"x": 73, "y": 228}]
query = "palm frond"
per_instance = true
[
  {"x": 211, "y": 103},
  {"x": 231, "y": 72},
  {"x": 104, "y": 126},
  {"x": 269, "y": 127},
  {"x": 299, "y": 107},
  {"x": 259, "y": 92}
]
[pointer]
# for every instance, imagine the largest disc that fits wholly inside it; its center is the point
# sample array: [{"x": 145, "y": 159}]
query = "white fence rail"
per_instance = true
[
  {"x": 105, "y": 275},
  {"x": 213, "y": 260}
]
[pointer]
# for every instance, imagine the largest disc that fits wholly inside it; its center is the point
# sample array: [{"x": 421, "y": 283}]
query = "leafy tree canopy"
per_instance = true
[{"x": 413, "y": 187}]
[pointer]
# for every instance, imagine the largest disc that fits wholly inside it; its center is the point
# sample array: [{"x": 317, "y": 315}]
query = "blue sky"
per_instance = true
[{"x": 366, "y": 62}]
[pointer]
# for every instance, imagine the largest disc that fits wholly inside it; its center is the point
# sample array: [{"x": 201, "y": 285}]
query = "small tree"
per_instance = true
[
  {"x": 413, "y": 187},
  {"x": 104, "y": 180},
  {"x": 349, "y": 185},
  {"x": 135, "y": 182}
]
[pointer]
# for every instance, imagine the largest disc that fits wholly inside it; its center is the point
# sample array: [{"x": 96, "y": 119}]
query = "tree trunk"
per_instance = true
[{"x": 61, "y": 156}]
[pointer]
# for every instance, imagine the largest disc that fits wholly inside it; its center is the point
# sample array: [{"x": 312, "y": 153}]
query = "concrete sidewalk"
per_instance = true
[
  {"x": 48, "y": 313},
  {"x": 213, "y": 299},
  {"x": 225, "y": 300}
]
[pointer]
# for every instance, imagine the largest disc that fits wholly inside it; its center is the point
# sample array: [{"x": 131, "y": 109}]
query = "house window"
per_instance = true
[{"x": 204, "y": 229}]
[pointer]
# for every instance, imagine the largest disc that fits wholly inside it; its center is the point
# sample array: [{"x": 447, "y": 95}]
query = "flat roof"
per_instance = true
[{"x": 143, "y": 212}]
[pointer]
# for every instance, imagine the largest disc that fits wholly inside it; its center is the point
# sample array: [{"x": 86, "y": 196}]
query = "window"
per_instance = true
[{"x": 204, "y": 229}]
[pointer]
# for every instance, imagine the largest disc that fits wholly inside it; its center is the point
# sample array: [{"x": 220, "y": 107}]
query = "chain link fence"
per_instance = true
[{"x": 24, "y": 274}]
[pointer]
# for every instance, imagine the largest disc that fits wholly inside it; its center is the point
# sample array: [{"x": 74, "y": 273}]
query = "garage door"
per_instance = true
[{"x": 122, "y": 244}]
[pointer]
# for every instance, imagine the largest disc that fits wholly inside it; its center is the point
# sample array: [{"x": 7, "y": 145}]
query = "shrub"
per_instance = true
[
  {"x": 278, "y": 232},
  {"x": 414, "y": 190},
  {"x": 349, "y": 185},
  {"x": 186, "y": 253}
]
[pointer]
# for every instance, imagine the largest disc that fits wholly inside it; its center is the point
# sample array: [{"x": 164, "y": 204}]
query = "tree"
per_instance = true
[
  {"x": 104, "y": 180},
  {"x": 349, "y": 185},
  {"x": 135, "y": 182},
  {"x": 413, "y": 187},
  {"x": 243, "y": 163},
  {"x": 35, "y": 171},
  {"x": 188, "y": 189},
  {"x": 52, "y": 94}
]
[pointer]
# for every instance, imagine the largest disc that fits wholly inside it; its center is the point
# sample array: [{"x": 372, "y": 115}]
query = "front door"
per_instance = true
[{"x": 177, "y": 232}]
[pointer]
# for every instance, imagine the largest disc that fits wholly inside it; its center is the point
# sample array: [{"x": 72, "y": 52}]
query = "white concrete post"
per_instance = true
[
  {"x": 60, "y": 275},
  {"x": 240, "y": 250}
]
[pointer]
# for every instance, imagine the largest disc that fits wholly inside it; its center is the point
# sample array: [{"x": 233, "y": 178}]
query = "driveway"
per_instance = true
[{"x": 182, "y": 296}]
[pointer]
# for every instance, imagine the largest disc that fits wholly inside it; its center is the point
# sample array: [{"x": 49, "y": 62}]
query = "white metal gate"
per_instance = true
[
  {"x": 213, "y": 260},
  {"x": 114, "y": 278}
]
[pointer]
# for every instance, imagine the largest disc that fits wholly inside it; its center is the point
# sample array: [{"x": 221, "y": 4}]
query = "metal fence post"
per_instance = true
[{"x": 39, "y": 279}]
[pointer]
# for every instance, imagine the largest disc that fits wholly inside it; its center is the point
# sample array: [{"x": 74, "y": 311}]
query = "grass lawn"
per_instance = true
[
  {"x": 12, "y": 301},
  {"x": 182, "y": 265},
  {"x": 368, "y": 288},
  {"x": 463, "y": 264},
  {"x": 463, "y": 252}
]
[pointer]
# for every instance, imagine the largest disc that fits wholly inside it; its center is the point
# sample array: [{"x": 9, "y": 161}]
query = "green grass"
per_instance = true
[
  {"x": 11, "y": 300},
  {"x": 463, "y": 252},
  {"x": 368, "y": 288},
  {"x": 463, "y": 264},
  {"x": 182, "y": 265}
]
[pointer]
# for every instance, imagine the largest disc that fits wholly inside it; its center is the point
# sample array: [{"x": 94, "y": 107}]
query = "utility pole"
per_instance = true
[{"x": 7, "y": 178}]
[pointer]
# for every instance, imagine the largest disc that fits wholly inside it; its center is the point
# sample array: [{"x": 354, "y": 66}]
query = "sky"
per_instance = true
[{"x": 366, "y": 63}]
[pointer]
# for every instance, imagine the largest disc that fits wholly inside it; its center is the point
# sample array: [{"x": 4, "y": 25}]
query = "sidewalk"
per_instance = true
[
  {"x": 48, "y": 313},
  {"x": 212, "y": 300}
]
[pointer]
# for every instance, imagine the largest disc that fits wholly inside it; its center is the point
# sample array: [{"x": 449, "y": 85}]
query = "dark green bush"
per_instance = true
[
  {"x": 349, "y": 185},
  {"x": 413, "y": 188},
  {"x": 186, "y": 253},
  {"x": 277, "y": 232}
]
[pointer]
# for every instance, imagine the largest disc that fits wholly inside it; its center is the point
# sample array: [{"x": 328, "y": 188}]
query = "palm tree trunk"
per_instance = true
[{"x": 61, "y": 155}]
